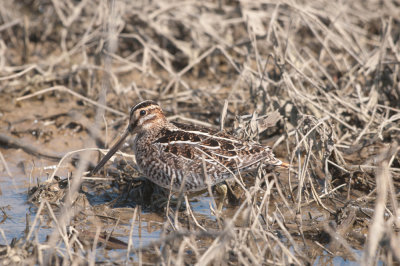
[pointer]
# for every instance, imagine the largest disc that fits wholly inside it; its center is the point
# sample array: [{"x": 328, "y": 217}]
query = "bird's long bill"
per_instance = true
[{"x": 111, "y": 152}]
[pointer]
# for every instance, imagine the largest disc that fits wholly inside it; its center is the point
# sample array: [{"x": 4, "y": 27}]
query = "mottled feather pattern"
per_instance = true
[
  {"x": 172, "y": 154},
  {"x": 183, "y": 149}
]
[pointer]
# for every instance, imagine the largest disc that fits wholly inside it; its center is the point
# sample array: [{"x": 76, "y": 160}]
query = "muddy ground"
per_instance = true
[{"x": 70, "y": 71}]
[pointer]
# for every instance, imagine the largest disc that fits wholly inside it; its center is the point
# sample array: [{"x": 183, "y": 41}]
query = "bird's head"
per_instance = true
[{"x": 145, "y": 116}]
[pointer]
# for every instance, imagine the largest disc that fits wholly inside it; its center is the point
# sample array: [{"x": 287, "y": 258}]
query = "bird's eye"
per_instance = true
[{"x": 142, "y": 112}]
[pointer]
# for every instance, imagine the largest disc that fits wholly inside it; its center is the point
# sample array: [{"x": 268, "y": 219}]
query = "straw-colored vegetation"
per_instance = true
[{"x": 70, "y": 71}]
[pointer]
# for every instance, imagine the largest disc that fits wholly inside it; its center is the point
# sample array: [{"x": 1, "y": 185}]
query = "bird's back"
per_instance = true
[{"x": 196, "y": 156}]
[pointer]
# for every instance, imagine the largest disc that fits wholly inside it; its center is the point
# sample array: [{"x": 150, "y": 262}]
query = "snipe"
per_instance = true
[{"x": 185, "y": 157}]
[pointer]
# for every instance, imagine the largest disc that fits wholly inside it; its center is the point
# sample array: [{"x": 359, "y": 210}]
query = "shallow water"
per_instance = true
[
  {"x": 13, "y": 199},
  {"x": 147, "y": 229},
  {"x": 106, "y": 209},
  {"x": 14, "y": 202}
]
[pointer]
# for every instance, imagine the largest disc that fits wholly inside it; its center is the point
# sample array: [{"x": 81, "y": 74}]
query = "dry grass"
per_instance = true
[{"x": 331, "y": 68}]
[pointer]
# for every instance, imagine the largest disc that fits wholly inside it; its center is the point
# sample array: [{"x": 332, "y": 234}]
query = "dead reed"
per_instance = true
[{"x": 331, "y": 69}]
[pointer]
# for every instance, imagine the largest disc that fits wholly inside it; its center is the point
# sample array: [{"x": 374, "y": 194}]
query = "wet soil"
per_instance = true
[
  {"x": 106, "y": 204},
  {"x": 71, "y": 70}
]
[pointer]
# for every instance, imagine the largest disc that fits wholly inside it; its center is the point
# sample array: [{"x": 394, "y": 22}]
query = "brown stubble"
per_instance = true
[{"x": 329, "y": 67}]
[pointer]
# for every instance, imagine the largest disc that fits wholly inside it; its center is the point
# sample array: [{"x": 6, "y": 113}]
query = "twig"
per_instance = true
[
  {"x": 65, "y": 89},
  {"x": 14, "y": 142}
]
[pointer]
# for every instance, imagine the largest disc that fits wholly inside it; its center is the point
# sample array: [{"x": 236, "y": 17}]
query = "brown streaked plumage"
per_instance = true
[{"x": 178, "y": 153}]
